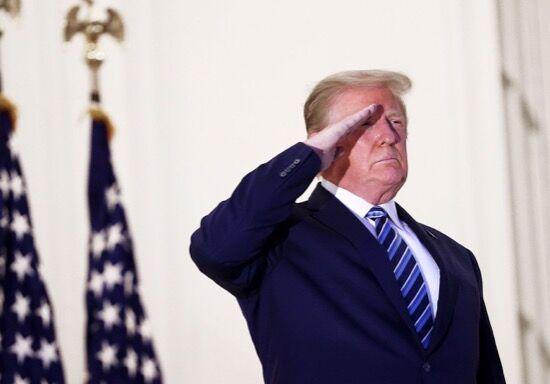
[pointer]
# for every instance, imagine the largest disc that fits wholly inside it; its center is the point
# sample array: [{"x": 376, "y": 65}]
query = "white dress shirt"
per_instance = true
[{"x": 360, "y": 207}]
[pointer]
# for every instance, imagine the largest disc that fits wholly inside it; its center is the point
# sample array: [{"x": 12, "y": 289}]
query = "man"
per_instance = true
[{"x": 347, "y": 287}]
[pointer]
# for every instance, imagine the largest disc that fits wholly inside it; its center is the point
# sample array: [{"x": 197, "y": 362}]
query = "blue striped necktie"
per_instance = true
[{"x": 407, "y": 273}]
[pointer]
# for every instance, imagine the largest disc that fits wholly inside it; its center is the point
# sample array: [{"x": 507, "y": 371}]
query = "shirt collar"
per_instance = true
[{"x": 358, "y": 205}]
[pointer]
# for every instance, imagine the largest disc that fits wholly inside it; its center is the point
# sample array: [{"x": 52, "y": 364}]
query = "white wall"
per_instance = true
[{"x": 202, "y": 92}]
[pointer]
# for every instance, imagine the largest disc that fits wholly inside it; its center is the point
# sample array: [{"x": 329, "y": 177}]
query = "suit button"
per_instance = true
[
  {"x": 297, "y": 161},
  {"x": 282, "y": 174},
  {"x": 426, "y": 367}
]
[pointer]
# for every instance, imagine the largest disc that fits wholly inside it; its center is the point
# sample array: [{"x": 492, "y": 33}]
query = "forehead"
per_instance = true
[{"x": 352, "y": 100}]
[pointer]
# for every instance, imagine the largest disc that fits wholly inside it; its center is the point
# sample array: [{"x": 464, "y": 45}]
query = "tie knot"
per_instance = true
[{"x": 376, "y": 213}]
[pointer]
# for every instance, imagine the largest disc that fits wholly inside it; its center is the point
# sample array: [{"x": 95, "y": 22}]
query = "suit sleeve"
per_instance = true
[
  {"x": 231, "y": 243},
  {"x": 490, "y": 368}
]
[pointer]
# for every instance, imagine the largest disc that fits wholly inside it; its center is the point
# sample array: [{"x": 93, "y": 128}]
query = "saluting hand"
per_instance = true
[{"x": 325, "y": 142}]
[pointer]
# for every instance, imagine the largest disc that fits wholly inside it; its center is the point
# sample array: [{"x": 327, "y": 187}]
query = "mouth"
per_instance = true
[{"x": 387, "y": 160}]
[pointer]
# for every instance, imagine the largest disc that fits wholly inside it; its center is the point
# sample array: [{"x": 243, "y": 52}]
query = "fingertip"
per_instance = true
[
  {"x": 374, "y": 108},
  {"x": 376, "y": 111}
]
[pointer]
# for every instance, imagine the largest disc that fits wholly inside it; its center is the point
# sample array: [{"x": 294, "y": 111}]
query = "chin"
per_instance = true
[{"x": 390, "y": 178}]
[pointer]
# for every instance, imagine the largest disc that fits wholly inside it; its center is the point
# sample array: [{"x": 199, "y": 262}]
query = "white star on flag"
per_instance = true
[
  {"x": 98, "y": 243},
  {"x": 112, "y": 274},
  {"x": 20, "y": 225},
  {"x": 145, "y": 330},
  {"x": 109, "y": 315},
  {"x": 112, "y": 196},
  {"x": 22, "y": 347},
  {"x": 107, "y": 356},
  {"x": 17, "y": 186},
  {"x": 96, "y": 283},
  {"x": 44, "y": 312},
  {"x": 20, "y": 380},
  {"x": 130, "y": 362},
  {"x": 21, "y": 266},
  {"x": 114, "y": 236},
  {"x": 21, "y": 307},
  {"x": 149, "y": 370},
  {"x": 47, "y": 353}
]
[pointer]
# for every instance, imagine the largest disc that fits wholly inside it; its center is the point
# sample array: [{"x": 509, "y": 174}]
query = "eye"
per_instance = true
[{"x": 397, "y": 121}]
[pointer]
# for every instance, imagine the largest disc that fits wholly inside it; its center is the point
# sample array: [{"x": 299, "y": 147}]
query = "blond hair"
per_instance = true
[{"x": 317, "y": 104}]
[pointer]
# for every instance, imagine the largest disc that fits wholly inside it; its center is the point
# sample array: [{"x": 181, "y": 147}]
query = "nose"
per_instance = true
[{"x": 386, "y": 132}]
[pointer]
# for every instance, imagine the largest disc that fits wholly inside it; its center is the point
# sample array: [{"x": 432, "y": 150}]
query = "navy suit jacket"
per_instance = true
[{"x": 320, "y": 300}]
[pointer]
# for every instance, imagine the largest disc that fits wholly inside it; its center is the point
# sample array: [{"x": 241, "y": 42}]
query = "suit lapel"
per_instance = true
[
  {"x": 447, "y": 282},
  {"x": 331, "y": 212}
]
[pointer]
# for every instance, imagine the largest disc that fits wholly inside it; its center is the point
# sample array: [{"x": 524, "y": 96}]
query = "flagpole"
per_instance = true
[
  {"x": 13, "y": 9},
  {"x": 119, "y": 347}
]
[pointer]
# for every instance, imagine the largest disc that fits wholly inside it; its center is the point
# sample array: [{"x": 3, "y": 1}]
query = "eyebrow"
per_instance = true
[{"x": 395, "y": 113}]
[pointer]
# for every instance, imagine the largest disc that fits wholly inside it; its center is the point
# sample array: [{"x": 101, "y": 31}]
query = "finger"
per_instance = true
[
  {"x": 375, "y": 114},
  {"x": 332, "y": 134},
  {"x": 366, "y": 116},
  {"x": 363, "y": 118}
]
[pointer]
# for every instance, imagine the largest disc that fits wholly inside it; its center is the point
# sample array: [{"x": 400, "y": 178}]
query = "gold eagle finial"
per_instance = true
[
  {"x": 12, "y": 7},
  {"x": 93, "y": 27}
]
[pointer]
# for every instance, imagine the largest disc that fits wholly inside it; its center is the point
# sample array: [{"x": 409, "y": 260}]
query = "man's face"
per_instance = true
[{"x": 372, "y": 157}]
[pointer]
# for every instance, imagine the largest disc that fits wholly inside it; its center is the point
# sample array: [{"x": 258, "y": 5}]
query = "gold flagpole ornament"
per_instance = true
[
  {"x": 12, "y": 7},
  {"x": 93, "y": 26}
]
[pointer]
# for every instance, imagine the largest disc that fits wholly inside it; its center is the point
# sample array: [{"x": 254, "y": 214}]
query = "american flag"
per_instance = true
[
  {"x": 119, "y": 344},
  {"x": 28, "y": 347}
]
